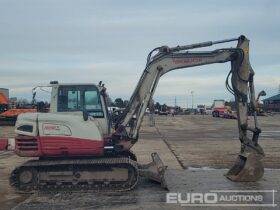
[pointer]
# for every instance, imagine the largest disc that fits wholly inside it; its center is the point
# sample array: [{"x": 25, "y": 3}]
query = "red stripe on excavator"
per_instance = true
[{"x": 54, "y": 146}]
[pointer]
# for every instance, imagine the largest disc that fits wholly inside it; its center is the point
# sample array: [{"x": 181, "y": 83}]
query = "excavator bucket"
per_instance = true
[
  {"x": 154, "y": 170},
  {"x": 246, "y": 169}
]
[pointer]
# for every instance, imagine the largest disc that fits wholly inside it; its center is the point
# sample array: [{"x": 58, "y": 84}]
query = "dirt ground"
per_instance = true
[
  {"x": 200, "y": 140},
  {"x": 184, "y": 143}
]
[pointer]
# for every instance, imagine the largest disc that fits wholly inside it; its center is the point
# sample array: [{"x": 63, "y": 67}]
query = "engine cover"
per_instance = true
[{"x": 57, "y": 134}]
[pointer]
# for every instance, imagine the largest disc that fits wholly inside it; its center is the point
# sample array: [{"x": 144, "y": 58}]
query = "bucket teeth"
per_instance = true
[{"x": 246, "y": 169}]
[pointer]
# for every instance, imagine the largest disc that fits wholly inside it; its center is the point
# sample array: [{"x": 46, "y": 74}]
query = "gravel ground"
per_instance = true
[{"x": 201, "y": 140}]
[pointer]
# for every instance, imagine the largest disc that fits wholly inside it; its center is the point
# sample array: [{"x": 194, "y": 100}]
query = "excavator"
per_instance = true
[
  {"x": 8, "y": 115},
  {"x": 76, "y": 147},
  {"x": 4, "y": 103},
  {"x": 259, "y": 109}
]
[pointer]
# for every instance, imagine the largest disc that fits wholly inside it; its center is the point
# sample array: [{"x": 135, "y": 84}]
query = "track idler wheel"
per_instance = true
[
  {"x": 27, "y": 178},
  {"x": 247, "y": 168}
]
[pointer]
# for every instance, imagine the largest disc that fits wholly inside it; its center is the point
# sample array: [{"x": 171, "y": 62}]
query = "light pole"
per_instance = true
[
  {"x": 192, "y": 92},
  {"x": 187, "y": 103}
]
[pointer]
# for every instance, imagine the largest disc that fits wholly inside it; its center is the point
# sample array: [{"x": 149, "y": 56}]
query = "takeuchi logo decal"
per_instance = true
[
  {"x": 51, "y": 127},
  {"x": 186, "y": 60}
]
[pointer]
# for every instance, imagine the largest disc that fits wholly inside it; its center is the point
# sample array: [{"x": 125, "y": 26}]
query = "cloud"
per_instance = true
[{"x": 89, "y": 41}]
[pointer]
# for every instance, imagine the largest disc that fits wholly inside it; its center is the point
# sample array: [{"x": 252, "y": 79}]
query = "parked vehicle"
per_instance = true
[{"x": 219, "y": 108}]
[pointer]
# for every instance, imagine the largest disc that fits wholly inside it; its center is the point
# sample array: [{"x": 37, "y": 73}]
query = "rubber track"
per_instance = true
[{"x": 110, "y": 162}]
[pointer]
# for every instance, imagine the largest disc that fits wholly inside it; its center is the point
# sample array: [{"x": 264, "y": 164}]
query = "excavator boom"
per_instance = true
[{"x": 167, "y": 59}]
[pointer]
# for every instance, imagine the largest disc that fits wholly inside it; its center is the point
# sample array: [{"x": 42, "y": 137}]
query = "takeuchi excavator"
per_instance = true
[{"x": 77, "y": 147}]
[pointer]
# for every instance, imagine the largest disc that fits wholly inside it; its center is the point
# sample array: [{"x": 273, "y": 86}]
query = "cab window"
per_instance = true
[{"x": 79, "y": 98}]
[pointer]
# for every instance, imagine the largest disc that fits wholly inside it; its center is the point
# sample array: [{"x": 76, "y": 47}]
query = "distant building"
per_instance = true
[
  {"x": 272, "y": 103},
  {"x": 5, "y": 92}
]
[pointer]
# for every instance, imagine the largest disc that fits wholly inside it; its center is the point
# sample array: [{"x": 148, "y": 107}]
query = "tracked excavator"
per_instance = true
[
  {"x": 77, "y": 148},
  {"x": 259, "y": 109},
  {"x": 8, "y": 115}
]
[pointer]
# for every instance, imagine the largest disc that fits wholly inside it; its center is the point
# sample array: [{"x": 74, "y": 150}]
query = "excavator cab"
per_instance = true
[{"x": 88, "y": 100}]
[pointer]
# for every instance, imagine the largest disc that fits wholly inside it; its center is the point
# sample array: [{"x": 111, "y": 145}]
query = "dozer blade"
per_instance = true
[
  {"x": 154, "y": 170},
  {"x": 246, "y": 169}
]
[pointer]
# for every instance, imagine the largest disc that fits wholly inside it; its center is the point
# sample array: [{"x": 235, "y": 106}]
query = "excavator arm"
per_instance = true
[
  {"x": 248, "y": 166},
  {"x": 164, "y": 62}
]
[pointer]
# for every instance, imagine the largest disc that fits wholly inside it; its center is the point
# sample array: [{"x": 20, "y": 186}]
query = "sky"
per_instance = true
[{"x": 84, "y": 41}]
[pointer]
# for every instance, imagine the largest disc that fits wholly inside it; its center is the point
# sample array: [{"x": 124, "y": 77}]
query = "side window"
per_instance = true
[
  {"x": 92, "y": 100},
  {"x": 74, "y": 98}
]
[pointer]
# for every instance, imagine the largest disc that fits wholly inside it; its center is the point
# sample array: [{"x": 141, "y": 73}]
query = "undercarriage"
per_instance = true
[
  {"x": 113, "y": 174},
  {"x": 106, "y": 174}
]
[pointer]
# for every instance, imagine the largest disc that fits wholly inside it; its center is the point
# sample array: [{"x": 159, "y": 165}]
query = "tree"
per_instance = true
[
  {"x": 157, "y": 106},
  {"x": 119, "y": 103},
  {"x": 164, "y": 107},
  {"x": 232, "y": 104},
  {"x": 125, "y": 103},
  {"x": 110, "y": 101}
]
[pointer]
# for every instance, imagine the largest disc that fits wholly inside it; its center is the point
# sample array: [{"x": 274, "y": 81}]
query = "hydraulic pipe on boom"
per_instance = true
[{"x": 199, "y": 45}]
